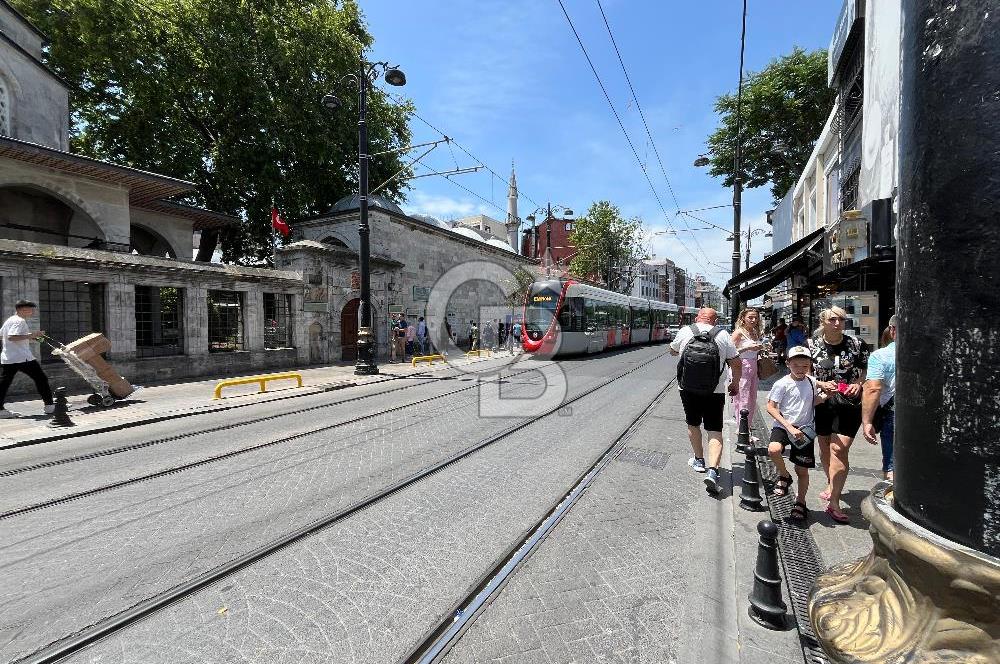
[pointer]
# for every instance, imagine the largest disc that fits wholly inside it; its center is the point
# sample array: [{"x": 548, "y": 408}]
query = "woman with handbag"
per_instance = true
[
  {"x": 747, "y": 339},
  {"x": 839, "y": 363}
]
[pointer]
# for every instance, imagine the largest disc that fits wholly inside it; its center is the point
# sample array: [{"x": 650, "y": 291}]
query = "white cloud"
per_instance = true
[{"x": 442, "y": 207}]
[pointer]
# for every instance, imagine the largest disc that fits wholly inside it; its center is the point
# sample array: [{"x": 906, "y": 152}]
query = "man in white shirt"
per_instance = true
[
  {"x": 17, "y": 356},
  {"x": 706, "y": 405}
]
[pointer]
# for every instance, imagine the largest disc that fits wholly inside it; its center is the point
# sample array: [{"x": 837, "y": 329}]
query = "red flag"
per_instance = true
[{"x": 279, "y": 224}]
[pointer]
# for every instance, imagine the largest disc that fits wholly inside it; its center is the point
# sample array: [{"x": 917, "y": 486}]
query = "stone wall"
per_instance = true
[
  {"x": 38, "y": 101},
  {"x": 24, "y": 264}
]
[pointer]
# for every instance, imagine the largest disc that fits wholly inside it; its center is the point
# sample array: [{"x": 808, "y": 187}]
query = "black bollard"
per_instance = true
[
  {"x": 60, "y": 416},
  {"x": 766, "y": 606},
  {"x": 743, "y": 436},
  {"x": 750, "y": 498}
]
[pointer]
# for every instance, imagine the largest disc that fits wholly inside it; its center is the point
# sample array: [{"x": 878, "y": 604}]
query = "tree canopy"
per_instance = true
[
  {"x": 785, "y": 106},
  {"x": 608, "y": 246},
  {"x": 226, "y": 95}
]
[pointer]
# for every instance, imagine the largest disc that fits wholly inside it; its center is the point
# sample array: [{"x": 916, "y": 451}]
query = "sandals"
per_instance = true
[
  {"x": 799, "y": 511},
  {"x": 782, "y": 485},
  {"x": 837, "y": 515}
]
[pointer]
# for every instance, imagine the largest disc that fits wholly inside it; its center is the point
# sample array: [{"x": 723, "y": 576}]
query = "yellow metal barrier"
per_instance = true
[
  {"x": 479, "y": 353},
  {"x": 429, "y": 359},
  {"x": 256, "y": 379}
]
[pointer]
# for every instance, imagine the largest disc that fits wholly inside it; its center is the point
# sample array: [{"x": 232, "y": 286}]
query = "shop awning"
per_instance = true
[{"x": 774, "y": 269}]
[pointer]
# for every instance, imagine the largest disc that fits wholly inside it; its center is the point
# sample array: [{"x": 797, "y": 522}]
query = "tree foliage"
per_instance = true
[
  {"x": 226, "y": 95},
  {"x": 608, "y": 246},
  {"x": 785, "y": 106}
]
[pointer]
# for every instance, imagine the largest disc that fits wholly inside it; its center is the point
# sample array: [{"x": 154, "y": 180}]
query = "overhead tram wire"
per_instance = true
[
  {"x": 649, "y": 134},
  {"x": 467, "y": 152},
  {"x": 628, "y": 138}
]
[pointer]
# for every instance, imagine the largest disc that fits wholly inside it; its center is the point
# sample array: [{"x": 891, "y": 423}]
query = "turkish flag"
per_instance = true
[{"x": 279, "y": 224}]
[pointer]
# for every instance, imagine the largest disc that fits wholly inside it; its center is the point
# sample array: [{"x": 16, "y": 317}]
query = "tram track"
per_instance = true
[
  {"x": 11, "y": 513},
  {"x": 107, "y": 626},
  {"x": 443, "y": 636}
]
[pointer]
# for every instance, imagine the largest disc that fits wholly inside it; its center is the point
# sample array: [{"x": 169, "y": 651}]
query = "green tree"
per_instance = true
[
  {"x": 226, "y": 95},
  {"x": 608, "y": 246},
  {"x": 785, "y": 106}
]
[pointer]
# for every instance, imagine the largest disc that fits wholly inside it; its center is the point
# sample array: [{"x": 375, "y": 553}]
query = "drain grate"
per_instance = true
[
  {"x": 800, "y": 556},
  {"x": 647, "y": 458}
]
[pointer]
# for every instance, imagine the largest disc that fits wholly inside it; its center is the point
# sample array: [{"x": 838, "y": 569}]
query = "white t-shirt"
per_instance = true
[
  {"x": 727, "y": 349},
  {"x": 795, "y": 399},
  {"x": 15, "y": 352}
]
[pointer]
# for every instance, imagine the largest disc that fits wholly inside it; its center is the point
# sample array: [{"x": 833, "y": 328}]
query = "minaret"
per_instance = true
[{"x": 513, "y": 222}]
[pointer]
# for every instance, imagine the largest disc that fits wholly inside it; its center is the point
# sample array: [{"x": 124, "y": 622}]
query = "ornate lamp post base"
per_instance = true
[
  {"x": 366, "y": 365},
  {"x": 917, "y": 597}
]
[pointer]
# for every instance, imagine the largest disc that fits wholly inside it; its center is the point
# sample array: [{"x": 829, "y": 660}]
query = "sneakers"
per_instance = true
[
  {"x": 712, "y": 481},
  {"x": 697, "y": 463},
  {"x": 50, "y": 408},
  {"x": 6, "y": 414}
]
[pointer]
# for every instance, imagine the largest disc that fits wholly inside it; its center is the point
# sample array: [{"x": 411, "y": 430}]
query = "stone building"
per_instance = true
[
  {"x": 409, "y": 255},
  {"x": 102, "y": 247}
]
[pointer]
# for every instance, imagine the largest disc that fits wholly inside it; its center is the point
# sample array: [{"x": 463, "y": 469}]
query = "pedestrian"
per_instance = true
[
  {"x": 515, "y": 333},
  {"x": 839, "y": 363},
  {"x": 796, "y": 334},
  {"x": 422, "y": 335},
  {"x": 450, "y": 337},
  {"x": 704, "y": 350},
  {"x": 16, "y": 356},
  {"x": 878, "y": 404},
  {"x": 792, "y": 403},
  {"x": 778, "y": 333},
  {"x": 471, "y": 325},
  {"x": 393, "y": 325},
  {"x": 411, "y": 339},
  {"x": 747, "y": 339},
  {"x": 474, "y": 336},
  {"x": 401, "y": 339}
]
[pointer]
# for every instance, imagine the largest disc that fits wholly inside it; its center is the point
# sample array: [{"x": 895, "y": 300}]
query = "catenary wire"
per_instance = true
[
  {"x": 628, "y": 138},
  {"x": 649, "y": 134}
]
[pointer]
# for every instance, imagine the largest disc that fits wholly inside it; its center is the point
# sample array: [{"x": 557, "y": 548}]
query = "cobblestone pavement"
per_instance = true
[
  {"x": 367, "y": 589},
  {"x": 640, "y": 570},
  {"x": 196, "y": 438},
  {"x": 69, "y": 565}
]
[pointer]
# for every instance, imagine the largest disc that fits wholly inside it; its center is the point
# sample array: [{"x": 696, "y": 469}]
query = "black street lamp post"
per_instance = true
[
  {"x": 367, "y": 362},
  {"x": 567, "y": 214}
]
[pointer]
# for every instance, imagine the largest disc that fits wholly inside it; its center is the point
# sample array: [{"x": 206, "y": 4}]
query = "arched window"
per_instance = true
[
  {"x": 5, "y": 123},
  {"x": 336, "y": 242}
]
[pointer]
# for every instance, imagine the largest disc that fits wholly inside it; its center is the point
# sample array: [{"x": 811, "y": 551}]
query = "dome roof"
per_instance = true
[
  {"x": 470, "y": 233},
  {"x": 353, "y": 203},
  {"x": 500, "y": 244},
  {"x": 433, "y": 221}
]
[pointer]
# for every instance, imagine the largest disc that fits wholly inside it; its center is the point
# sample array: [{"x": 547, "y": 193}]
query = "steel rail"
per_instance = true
[
  {"x": 19, "y": 511},
  {"x": 439, "y": 641},
  {"x": 101, "y": 629}
]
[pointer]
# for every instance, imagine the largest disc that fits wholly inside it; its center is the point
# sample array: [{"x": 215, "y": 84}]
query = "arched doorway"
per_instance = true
[
  {"x": 146, "y": 242},
  {"x": 349, "y": 331}
]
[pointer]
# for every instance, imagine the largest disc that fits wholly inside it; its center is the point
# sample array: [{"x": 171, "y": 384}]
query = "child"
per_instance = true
[{"x": 791, "y": 403}]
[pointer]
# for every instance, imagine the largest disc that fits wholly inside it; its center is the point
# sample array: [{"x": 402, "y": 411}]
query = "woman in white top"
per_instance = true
[{"x": 747, "y": 339}]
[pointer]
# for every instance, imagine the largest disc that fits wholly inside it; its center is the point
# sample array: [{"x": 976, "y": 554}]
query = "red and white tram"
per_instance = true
[{"x": 563, "y": 316}]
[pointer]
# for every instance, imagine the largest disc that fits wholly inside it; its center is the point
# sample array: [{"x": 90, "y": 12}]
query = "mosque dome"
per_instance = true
[{"x": 353, "y": 202}]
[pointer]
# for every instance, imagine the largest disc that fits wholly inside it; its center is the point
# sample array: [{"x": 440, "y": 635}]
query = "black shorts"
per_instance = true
[
  {"x": 843, "y": 420},
  {"x": 803, "y": 457},
  {"x": 705, "y": 408}
]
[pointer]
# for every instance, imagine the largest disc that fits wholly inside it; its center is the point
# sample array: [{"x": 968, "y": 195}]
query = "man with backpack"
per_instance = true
[{"x": 704, "y": 350}]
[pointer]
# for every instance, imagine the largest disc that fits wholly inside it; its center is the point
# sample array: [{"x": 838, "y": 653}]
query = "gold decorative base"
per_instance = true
[{"x": 916, "y": 599}]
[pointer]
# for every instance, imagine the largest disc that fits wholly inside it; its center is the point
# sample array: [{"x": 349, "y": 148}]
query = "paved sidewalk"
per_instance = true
[
  {"x": 645, "y": 568},
  {"x": 158, "y": 402}
]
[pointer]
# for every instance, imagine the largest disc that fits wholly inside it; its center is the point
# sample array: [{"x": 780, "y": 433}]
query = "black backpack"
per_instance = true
[{"x": 700, "y": 367}]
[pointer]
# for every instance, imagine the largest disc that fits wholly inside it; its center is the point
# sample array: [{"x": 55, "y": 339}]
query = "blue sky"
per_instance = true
[{"x": 507, "y": 80}]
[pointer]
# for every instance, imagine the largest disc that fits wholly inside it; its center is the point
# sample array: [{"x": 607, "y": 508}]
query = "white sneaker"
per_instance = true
[
  {"x": 50, "y": 408},
  {"x": 6, "y": 414}
]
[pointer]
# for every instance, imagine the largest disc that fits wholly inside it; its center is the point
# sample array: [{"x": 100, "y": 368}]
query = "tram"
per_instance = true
[{"x": 562, "y": 316}]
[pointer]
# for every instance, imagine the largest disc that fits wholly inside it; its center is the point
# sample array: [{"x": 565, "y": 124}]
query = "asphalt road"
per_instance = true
[{"x": 364, "y": 590}]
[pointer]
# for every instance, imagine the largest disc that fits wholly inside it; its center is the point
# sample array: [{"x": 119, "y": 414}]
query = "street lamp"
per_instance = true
[
  {"x": 749, "y": 235},
  {"x": 567, "y": 214},
  {"x": 367, "y": 363}
]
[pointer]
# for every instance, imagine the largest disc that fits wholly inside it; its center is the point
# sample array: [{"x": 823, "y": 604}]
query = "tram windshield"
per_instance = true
[{"x": 540, "y": 308}]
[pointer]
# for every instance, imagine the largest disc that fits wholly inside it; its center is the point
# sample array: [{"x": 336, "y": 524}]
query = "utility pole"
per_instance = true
[{"x": 734, "y": 305}]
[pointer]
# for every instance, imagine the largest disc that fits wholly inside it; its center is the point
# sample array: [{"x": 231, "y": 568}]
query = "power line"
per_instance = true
[{"x": 614, "y": 111}]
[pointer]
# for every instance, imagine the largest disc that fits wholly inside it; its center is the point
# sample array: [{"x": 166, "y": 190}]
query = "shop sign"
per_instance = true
[
  {"x": 421, "y": 293},
  {"x": 845, "y": 24}
]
